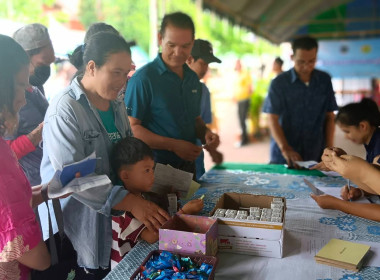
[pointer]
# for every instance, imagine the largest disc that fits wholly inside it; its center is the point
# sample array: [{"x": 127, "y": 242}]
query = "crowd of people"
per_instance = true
[{"x": 159, "y": 115}]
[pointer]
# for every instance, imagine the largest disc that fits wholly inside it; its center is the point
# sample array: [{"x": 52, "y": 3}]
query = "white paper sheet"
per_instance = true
[
  {"x": 166, "y": 177},
  {"x": 336, "y": 193},
  {"x": 311, "y": 163}
]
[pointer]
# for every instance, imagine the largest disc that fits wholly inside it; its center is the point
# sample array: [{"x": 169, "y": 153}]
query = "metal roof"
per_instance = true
[{"x": 283, "y": 20}]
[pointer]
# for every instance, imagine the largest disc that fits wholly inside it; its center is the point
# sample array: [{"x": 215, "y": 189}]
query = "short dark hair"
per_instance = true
[
  {"x": 304, "y": 43},
  {"x": 129, "y": 151},
  {"x": 279, "y": 61},
  {"x": 177, "y": 19},
  {"x": 354, "y": 113},
  {"x": 99, "y": 27},
  {"x": 12, "y": 59},
  {"x": 98, "y": 48}
]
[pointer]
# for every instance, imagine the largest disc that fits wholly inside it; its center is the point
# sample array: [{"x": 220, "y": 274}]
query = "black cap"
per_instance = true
[{"x": 203, "y": 49}]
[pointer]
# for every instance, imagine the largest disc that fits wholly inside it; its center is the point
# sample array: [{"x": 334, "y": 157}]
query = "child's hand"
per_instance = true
[
  {"x": 193, "y": 207},
  {"x": 325, "y": 201},
  {"x": 353, "y": 194}
]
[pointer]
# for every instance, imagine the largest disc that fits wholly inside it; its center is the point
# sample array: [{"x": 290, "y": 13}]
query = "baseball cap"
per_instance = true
[
  {"x": 203, "y": 49},
  {"x": 32, "y": 36}
]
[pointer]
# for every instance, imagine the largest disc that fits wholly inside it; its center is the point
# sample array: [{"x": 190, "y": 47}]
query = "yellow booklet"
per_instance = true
[{"x": 344, "y": 254}]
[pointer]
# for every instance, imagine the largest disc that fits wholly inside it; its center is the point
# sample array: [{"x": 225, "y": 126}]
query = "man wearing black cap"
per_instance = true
[{"x": 201, "y": 56}]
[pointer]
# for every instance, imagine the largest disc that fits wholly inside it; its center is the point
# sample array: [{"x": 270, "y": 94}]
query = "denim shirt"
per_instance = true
[{"x": 72, "y": 131}]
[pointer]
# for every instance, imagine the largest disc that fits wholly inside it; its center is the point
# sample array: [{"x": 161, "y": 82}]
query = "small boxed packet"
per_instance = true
[{"x": 189, "y": 234}]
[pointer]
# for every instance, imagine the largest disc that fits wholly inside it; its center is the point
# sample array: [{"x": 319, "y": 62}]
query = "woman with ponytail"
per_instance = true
[{"x": 87, "y": 117}]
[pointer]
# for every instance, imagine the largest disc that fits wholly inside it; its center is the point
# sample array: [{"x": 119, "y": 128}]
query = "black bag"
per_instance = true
[{"x": 63, "y": 256}]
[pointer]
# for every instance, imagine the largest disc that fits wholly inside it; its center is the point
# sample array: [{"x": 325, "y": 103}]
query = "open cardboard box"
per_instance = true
[
  {"x": 189, "y": 234},
  {"x": 247, "y": 236}
]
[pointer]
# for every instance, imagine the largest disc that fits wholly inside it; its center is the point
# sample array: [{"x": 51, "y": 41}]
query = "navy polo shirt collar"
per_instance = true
[
  {"x": 294, "y": 76},
  {"x": 160, "y": 64}
]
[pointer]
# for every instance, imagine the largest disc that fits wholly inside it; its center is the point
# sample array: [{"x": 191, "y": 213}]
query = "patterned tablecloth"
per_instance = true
[{"x": 305, "y": 225}]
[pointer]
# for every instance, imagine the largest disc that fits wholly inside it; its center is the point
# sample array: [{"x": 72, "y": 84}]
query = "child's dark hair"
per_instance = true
[
  {"x": 98, "y": 48},
  {"x": 354, "y": 113},
  {"x": 128, "y": 151}
]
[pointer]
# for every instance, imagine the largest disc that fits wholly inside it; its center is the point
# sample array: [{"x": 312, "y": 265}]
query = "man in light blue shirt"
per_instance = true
[
  {"x": 163, "y": 99},
  {"x": 300, "y": 106}
]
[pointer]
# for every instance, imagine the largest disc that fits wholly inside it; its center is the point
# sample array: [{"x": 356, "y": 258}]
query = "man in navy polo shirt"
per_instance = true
[
  {"x": 163, "y": 99},
  {"x": 300, "y": 106}
]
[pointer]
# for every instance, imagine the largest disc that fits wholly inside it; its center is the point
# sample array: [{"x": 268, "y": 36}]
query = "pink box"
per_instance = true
[{"x": 188, "y": 234}]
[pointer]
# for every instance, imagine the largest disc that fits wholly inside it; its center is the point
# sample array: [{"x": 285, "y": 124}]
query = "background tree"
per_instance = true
[
  {"x": 131, "y": 17},
  {"x": 25, "y": 11}
]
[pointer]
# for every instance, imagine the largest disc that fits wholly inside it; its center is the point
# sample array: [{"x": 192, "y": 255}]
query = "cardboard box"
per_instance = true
[
  {"x": 246, "y": 236},
  {"x": 188, "y": 234}
]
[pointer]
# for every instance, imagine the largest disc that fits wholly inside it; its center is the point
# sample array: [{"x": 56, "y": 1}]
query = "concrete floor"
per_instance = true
[{"x": 256, "y": 152}]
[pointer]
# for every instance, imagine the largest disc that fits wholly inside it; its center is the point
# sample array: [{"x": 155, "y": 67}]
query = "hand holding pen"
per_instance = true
[{"x": 350, "y": 193}]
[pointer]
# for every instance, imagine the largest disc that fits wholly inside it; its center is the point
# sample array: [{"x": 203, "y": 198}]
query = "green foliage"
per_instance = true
[
  {"x": 257, "y": 99},
  {"x": 131, "y": 18},
  {"x": 62, "y": 17},
  {"x": 24, "y": 11}
]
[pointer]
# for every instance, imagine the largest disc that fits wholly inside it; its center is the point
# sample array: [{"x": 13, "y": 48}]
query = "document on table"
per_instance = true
[
  {"x": 313, "y": 188},
  {"x": 311, "y": 163},
  {"x": 166, "y": 177},
  {"x": 336, "y": 193}
]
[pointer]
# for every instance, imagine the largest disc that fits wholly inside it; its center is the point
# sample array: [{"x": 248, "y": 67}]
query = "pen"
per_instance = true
[{"x": 348, "y": 187}]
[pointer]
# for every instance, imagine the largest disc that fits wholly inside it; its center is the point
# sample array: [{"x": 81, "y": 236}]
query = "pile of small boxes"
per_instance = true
[{"x": 273, "y": 214}]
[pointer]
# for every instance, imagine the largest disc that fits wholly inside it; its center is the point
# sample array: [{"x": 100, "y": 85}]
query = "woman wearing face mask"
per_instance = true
[
  {"x": 87, "y": 117},
  {"x": 35, "y": 40},
  {"x": 21, "y": 245}
]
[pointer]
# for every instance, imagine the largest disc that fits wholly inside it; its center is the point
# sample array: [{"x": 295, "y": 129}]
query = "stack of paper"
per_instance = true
[
  {"x": 168, "y": 179},
  {"x": 343, "y": 254}
]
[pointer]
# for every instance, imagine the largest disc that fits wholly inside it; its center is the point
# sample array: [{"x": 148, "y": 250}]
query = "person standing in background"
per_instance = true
[
  {"x": 277, "y": 66},
  {"x": 201, "y": 56},
  {"x": 242, "y": 95},
  {"x": 300, "y": 106},
  {"x": 35, "y": 40}
]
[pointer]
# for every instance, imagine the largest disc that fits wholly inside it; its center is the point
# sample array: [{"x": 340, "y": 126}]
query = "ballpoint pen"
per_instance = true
[{"x": 348, "y": 187}]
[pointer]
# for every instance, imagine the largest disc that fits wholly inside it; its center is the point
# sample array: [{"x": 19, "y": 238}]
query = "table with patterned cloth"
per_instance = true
[{"x": 305, "y": 225}]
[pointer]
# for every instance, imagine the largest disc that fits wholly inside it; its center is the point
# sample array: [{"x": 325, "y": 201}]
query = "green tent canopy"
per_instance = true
[{"x": 283, "y": 20}]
